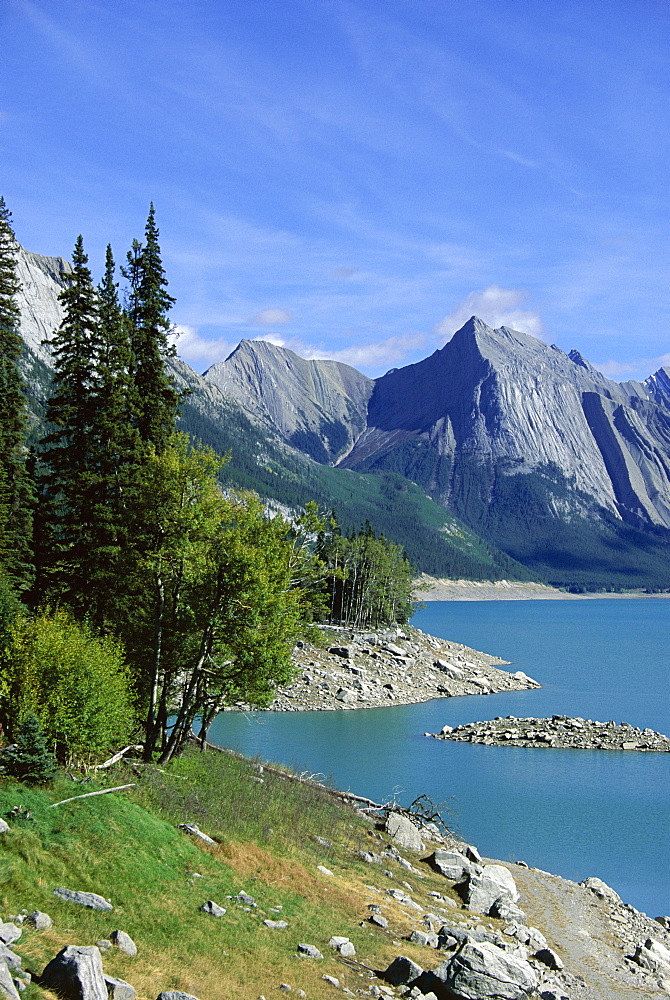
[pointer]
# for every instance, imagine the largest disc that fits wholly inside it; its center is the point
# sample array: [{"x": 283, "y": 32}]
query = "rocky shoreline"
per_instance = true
[
  {"x": 560, "y": 731},
  {"x": 363, "y": 669}
]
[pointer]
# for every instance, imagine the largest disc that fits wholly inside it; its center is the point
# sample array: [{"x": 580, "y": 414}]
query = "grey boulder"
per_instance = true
[
  {"x": 4, "y": 826},
  {"x": 9, "y": 957},
  {"x": 175, "y": 995},
  {"x": 9, "y": 933},
  {"x": 40, "y": 921},
  {"x": 8, "y": 990},
  {"x": 653, "y": 956},
  {"x": 402, "y": 971},
  {"x": 90, "y": 900},
  {"x": 76, "y": 974},
  {"x": 403, "y": 832},
  {"x": 119, "y": 989},
  {"x": 195, "y": 831},
  {"x": 309, "y": 951},
  {"x": 601, "y": 889},
  {"x": 212, "y": 908},
  {"x": 488, "y": 886},
  {"x": 482, "y": 971},
  {"x": 123, "y": 942},
  {"x": 452, "y": 864}
]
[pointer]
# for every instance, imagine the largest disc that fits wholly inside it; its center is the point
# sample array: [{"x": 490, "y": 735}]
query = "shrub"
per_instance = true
[{"x": 74, "y": 681}]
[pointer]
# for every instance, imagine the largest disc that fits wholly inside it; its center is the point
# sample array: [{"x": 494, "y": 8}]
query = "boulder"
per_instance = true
[
  {"x": 4, "y": 826},
  {"x": 90, "y": 900},
  {"x": 402, "y": 971},
  {"x": 119, "y": 989},
  {"x": 175, "y": 995},
  {"x": 124, "y": 942},
  {"x": 403, "y": 832},
  {"x": 452, "y": 864},
  {"x": 212, "y": 908},
  {"x": 379, "y": 921},
  {"x": 309, "y": 951},
  {"x": 479, "y": 971},
  {"x": 9, "y": 933},
  {"x": 344, "y": 651},
  {"x": 428, "y": 939},
  {"x": 8, "y": 990},
  {"x": 345, "y": 696},
  {"x": 276, "y": 925},
  {"x": 505, "y": 909},
  {"x": 549, "y": 958},
  {"x": 40, "y": 921},
  {"x": 653, "y": 956},
  {"x": 76, "y": 974},
  {"x": 9, "y": 957},
  {"x": 488, "y": 886},
  {"x": 601, "y": 889}
]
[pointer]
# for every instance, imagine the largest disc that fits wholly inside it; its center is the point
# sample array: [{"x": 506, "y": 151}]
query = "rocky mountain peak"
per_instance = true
[{"x": 318, "y": 406}]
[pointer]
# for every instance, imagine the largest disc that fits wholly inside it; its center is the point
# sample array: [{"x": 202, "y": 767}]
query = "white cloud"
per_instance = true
[
  {"x": 194, "y": 349},
  {"x": 384, "y": 353},
  {"x": 639, "y": 368},
  {"x": 614, "y": 368},
  {"x": 271, "y": 317},
  {"x": 496, "y": 306}
]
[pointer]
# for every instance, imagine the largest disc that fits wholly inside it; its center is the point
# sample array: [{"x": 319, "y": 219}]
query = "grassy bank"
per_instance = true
[{"x": 125, "y": 846}]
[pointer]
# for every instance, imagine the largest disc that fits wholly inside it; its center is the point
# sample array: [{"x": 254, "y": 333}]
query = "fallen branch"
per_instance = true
[
  {"x": 88, "y": 795},
  {"x": 117, "y": 757}
]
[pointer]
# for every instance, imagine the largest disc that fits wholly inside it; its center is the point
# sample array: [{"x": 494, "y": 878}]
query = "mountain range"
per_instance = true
[{"x": 498, "y": 455}]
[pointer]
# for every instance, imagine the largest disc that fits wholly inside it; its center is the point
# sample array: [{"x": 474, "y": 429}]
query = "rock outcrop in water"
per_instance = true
[{"x": 560, "y": 731}]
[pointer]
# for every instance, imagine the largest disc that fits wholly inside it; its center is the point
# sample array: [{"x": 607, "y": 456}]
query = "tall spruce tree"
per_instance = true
[
  {"x": 16, "y": 490},
  {"x": 148, "y": 306},
  {"x": 70, "y": 479}
]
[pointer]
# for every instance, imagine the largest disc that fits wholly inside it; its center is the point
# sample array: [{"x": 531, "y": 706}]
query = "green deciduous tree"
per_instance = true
[
  {"x": 73, "y": 680},
  {"x": 16, "y": 489}
]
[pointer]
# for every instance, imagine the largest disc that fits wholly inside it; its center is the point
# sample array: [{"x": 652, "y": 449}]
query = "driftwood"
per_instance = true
[
  {"x": 88, "y": 795},
  {"x": 117, "y": 757}
]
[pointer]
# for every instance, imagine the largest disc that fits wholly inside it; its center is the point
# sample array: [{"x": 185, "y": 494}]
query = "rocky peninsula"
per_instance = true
[
  {"x": 363, "y": 669},
  {"x": 559, "y": 731}
]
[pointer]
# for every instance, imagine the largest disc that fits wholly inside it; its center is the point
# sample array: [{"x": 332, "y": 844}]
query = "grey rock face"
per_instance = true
[
  {"x": 90, "y": 900},
  {"x": 317, "y": 406},
  {"x": 7, "y": 988},
  {"x": 486, "y": 887},
  {"x": 480, "y": 970},
  {"x": 41, "y": 279},
  {"x": 403, "y": 832},
  {"x": 123, "y": 942},
  {"x": 76, "y": 974},
  {"x": 503, "y": 398}
]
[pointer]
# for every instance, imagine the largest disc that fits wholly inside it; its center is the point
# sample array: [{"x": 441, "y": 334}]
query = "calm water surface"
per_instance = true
[{"x": 576, "y": 813}]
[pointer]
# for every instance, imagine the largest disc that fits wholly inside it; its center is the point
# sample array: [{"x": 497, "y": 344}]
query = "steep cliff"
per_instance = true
[{"x": 318, "y": 407}]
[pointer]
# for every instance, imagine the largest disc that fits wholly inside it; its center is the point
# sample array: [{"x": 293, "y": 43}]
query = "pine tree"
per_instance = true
[
  {"x": 16, "y": 491},
  {"x": 148, "y": 306},
  {"x": 28, "y": 759},
  {"x": 68, "y": 500}
]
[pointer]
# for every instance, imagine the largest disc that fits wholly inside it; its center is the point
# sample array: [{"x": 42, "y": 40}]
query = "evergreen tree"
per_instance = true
[
  {"x": 16, "y": 491},
  {"x": 68, "y": 500},
  {"x": 28, "y": 759},
  {"x": 148, "y": 306}
]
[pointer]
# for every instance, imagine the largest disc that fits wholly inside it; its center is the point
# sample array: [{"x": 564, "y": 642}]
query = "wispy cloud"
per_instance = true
[
  {"x": 384, "y": 353},
  {"x": 271, "y": 317},
  {"x": 496, "y": 306},
  {"x": 640, "y": 368},
  {"x": 197, "y": 350}
]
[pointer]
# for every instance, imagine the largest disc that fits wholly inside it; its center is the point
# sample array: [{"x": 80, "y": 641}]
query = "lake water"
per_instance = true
[{"x": 575, "y": 813}]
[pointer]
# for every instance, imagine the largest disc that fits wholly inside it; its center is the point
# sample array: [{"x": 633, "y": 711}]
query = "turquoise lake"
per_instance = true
[{"x": 572, "y": 812}]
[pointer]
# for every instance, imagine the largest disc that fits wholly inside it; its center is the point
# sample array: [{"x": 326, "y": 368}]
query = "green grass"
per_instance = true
[{"x": 125, "y": 846}]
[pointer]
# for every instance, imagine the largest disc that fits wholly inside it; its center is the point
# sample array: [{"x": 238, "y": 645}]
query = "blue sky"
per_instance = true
[{"x": 354, "y": 178}]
